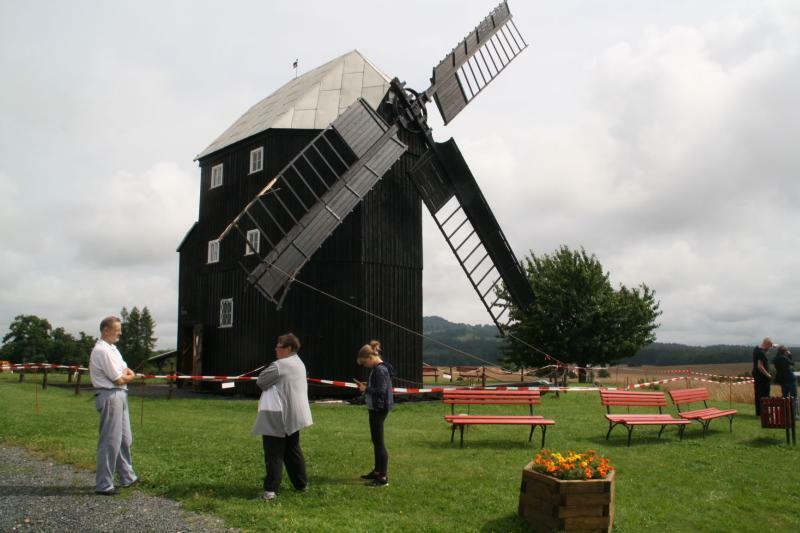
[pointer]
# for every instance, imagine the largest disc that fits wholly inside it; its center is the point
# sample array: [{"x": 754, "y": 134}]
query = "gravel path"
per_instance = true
[{"x": 39, "y": 495}]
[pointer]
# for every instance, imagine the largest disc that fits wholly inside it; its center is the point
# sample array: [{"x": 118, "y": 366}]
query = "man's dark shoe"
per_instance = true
[
  {"x": 379, "y": 482},
  {"x": 372, "y": 475},
  {"x": 131, "y": 484},
  {"x": 110, "y": 492}
]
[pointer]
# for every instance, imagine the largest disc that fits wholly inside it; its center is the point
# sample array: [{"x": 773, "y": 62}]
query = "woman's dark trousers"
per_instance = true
[
  {"x": 280, "y": 451},
  {"x": 761, "y": 387},
  {"x": 376, "y": 420}
]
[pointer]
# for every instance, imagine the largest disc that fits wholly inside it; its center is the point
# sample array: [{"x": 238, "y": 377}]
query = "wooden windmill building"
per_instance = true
[{"x": 317, "y": 189}]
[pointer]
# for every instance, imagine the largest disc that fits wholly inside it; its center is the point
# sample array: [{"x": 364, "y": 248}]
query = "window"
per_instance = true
[
  {"x": 216, "y": 176},
  {"x": 226, "y": 313},
  {"x": 256, "y": 159},
  {"x": 253, "y": 242},
  {"x": 213, "y": 251}
]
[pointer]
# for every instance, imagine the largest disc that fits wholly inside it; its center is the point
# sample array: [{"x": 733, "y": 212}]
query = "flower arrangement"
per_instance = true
[{"x": 572, "y": 465}]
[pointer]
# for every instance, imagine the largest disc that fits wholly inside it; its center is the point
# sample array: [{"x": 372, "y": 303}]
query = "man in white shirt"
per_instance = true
[{"x": 110, "y": 376}]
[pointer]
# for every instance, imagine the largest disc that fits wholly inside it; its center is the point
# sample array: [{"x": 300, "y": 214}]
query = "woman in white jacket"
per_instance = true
[{"x": 283, "y": 411}]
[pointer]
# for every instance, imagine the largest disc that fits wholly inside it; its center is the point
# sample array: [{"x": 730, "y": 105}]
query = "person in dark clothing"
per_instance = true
[
  {"x": 784, "y": 376},
  {"x": 379, "y": 400},
  {"x": 761, "y": 375}
]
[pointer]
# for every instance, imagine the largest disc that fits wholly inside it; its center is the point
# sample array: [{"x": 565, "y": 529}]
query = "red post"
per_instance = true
[
  {"x": 141, "y": 409},
  {"x": 78, "y": 383}
]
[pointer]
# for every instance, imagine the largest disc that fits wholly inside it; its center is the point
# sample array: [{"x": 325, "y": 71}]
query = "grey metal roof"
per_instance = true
[{"x": 310, "y": 101}]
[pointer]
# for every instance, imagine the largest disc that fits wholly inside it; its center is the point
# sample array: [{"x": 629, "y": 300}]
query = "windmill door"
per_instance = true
[{"x": 197, "y": 353}]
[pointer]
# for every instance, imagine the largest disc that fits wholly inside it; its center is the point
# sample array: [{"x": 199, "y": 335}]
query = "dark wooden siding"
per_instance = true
[{"x": 373, "y": 260}]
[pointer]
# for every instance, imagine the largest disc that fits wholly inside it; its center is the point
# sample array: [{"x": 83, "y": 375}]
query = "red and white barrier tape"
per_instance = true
[
  {"x": 659, "y": 382},
  {"x": 411, "y": 390},
  {"x": 740, "y": 378},
  {"x": 48, "y": 366}
]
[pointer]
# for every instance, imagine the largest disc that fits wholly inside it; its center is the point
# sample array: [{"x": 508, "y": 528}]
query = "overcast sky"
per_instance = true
[{"x": 660, "y": 136}]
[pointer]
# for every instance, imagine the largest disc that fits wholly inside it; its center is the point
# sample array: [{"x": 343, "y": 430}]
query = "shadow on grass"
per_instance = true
[
  {"x": 510, "y": 522},
  {"x": 248, "y": 492},
  {"x": 480, "y": 443},
  {"x": 764, "y": 442},
  {"x": 621, "y": 440}
]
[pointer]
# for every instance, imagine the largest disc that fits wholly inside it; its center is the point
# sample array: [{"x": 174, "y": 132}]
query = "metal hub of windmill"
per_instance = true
[{"x": 333, "y": 173}]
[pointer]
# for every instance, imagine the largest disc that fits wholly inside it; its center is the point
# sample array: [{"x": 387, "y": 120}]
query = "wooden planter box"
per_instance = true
[{"x": 550, "y": 504}]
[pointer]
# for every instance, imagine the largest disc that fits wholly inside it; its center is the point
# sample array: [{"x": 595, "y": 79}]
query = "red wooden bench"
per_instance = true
[
  {"x": 494, "y": 397},
  {"x": 460, "y": 421},
  {"x": 619, "y": 398},
  {"x": 779, "y": 413},
  {"x": 491, "y": 397},
  {"x": 704, "y": 416}
]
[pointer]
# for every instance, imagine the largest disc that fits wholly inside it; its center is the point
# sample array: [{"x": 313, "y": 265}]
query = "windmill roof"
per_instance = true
[{"x": 310, "y": 101}]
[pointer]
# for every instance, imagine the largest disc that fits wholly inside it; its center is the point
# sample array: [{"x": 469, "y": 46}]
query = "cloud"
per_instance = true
[{"x": 680, "y": 172}]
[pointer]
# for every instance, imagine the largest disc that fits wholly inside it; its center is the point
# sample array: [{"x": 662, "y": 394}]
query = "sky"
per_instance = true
[{"x": 659, "y": 136}]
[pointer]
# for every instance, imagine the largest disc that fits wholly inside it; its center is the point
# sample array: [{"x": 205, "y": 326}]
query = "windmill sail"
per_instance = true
[
  {"x": 475, "y": 62},
  {"x": 313, "y": 194},
  {"x": 461, "y": 213}
]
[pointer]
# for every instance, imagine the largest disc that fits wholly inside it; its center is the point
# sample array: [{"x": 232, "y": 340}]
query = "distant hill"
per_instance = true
[
  {"x": 484, "y": 342},
  {"x": 661, "y": 353},
  {"x": 480, "y": 340}
]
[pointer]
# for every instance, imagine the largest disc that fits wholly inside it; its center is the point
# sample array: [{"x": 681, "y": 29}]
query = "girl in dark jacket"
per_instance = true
[{"x": 379, "y": 400}]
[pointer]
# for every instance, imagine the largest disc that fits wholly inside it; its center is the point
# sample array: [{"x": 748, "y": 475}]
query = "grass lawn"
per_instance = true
[{"x": 200, "y": 452}]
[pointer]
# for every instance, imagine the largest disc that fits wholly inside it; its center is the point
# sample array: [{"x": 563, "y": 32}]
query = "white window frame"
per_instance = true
[
  {"x": 223, "y": 323},
  {"x": 216, "y": 176},
  {"x": 257, "y": 159},
  {"x": 254, "y": 238},
  {"x": 213, "y": 251}
]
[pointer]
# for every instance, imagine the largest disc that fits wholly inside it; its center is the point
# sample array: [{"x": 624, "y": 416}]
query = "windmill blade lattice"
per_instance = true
[
  {"x": 313, "y": 194},
  {"x": 475, "y": 62},
  {"x": 464, "y": 218}
]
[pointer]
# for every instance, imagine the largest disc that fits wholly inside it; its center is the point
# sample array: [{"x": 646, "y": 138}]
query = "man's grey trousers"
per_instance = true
[{"x": 114, "y": 444}]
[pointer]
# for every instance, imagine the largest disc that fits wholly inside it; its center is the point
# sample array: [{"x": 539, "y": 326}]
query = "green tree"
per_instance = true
[
  {"x": 28, "y": 339},
  {"x": 148, "y": 329},
  {"x": 577, "y": 316},
  {"x": 63, "y": 347},
  {"x": 137, "y": 341},
  {"x": 85, "y": 343}
]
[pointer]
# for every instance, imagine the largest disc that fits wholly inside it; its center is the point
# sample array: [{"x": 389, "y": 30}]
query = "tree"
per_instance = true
[
  {"x": 63, "y": 347},
  {"x": 577, "y": 316},
  {"x": 137, "y": 341},
  {"x": 28, "y": 339}
]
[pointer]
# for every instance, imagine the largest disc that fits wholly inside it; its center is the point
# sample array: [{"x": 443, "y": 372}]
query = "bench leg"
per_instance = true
[
  {"x": 680, "y": 432},
  {"x": 705, "y": 424},
  {"x": 462, "y": 434},
  {"x": 533, "y": 426},
  {"x": 610, "y": 427},
  {"x": 730, "y": 423},
  {"x": 544, "y": 432},
  {"x": 630, "y": 430},
  {"x": 453, "y": 433},
  {"x": 662, "y": 430}
]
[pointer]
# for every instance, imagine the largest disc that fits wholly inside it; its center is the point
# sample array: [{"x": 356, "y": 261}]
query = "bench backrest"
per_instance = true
[
  {"x": 430, "y": 371},
  {"x": 632, "y": 399},
  {"x": 683, "y": 396},
  {"x": 531, "y": 397}
]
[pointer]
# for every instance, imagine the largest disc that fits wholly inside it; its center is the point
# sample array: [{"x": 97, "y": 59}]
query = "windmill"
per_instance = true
[
  {"x": 361, "y": 145},
  {"x": 377, "y": 157}
]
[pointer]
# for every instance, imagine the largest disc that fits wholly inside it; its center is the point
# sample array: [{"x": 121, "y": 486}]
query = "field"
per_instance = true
[{"x": 200, "y": 452}]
